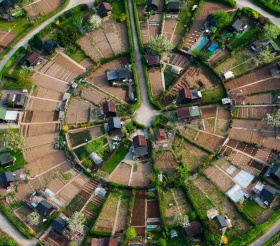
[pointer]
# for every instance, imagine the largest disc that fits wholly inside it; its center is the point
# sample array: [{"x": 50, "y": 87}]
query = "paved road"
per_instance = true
[
  {"x": 24, "y": 41},
  {"x": 269, "y": 233},
  {"x": 8, "y": 228},
  {"x": 248, "y": 3},
  {"x": 145, "y": 113}
]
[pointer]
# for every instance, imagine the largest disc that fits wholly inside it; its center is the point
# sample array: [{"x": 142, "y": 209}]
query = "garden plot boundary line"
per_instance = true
[
  {"x": 116, "y": 215},
  {"x": 46, "y": 99}
]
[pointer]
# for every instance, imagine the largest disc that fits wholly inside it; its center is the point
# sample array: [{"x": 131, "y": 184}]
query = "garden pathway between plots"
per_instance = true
[{"x": 145, "y": 113}]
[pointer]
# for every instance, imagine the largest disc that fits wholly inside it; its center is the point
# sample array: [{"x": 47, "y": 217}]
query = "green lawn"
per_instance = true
[
  {"x": 79, "y": 137},
  {"x": 184, "y": 15},
  {"x": 16, "y": 25},
  {"x": 76, "y": 54},
  {"x": 116, "y": 158},
  {"x": 18, "y": 164},
  {"x": 81, "y": 152},
  {"x": 118, "y": 8},
  {"x": 11, "y": 84},
  {"x": 253, "y": 209},
  {"x": 213, "y": 95},
  {"x": 96, "y": 146},
  {"x": 169, "y": 77}
]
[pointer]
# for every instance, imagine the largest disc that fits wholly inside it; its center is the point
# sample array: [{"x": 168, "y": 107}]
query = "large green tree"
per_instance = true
[
  {"x": 161, "y": 44},
  {"x": 76, "y": 222},
  {"x": 130, "y": 233},
  {"x": 34, "y": 218},
  {"x": 67, "y": 36},
  {"x": 222, "y": 18},
  {"x": 271, "y": 31},
  {"x": 14, "y": 140}
]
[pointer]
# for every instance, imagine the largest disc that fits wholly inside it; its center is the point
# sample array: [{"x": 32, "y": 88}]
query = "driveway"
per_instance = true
[
  {"x": 247, "y": 3},
  {"x": 8, "y": 228},
  {"x": 24, "y": 41},
  {"x": 145, "y": 114}
]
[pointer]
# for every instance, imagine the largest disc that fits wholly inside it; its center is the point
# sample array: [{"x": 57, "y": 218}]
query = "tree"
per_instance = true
[
  {"x": 24, "y": 77},
  {"x": 37, "y": 42},
  {"x": 78, "y": 23},
  {"x": 65, "y": 128},
  {"x": 122, "y": 17},
  {"x": 29, "y": 50},
  {"x": 34, "y": 218},
  {"x": 161, "y": 44},
  {"x": 67, "y": 36},
  {"x": 93, "y": 23},
  {"x": 14, "y": 140},
  {"x": 130, "y": 233},
  {"x": 273, "y": 119},
  {"x": 222, "y": 18},
  {"x": 271, "y": 31},
  {"x": 76, "y": 222},
  {"x": 265, "y": 56},
  {"x": 162, "y": 242}
]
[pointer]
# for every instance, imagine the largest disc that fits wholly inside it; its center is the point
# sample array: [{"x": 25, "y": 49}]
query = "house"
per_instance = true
[
  {"x": 152, "y": 5},
  {"x": 152, "y": 60},
  {"x": 6, "y": 179},
  {"x": 236, "y": 25},
  {"x": 118, "y": 74},
  {"x": 114, "y": 126},
  {"x": 8, "y": 116},
  {"x": 107, "y": 241},
  {"x": 268, "y": 194},
  {"x": 210, "y": 20},
  {"x": 275, "y": 172},
  {"x": 183, "y": 113},
  {"x": 49, "y": 46},
  {"x": 109, "y": 109},
  {"x": 6, "y": 159},
  {"x": 189, "y": 96},
  {"x": 33, "y": 59},
  {"x": 16, "y": 100},
  {"x": 193, "y": 230},
  {"x": 173, "y": 6},
  {"x": 160, "y": 134},
  {"x": 8, "y": 4},
  {"x": 105, "y": 9},
  {"x": 59, "y": 224},
  {"x": 140, "y": 146},
  {"x": 221, "y": 221},
  {"x": 44, "y": 208}
]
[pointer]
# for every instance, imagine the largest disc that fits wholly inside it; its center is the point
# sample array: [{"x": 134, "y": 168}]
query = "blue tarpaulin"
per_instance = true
[{"x": 213, "y": 47}]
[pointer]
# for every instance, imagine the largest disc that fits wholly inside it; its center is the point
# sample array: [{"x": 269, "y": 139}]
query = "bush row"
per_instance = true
[
  {"x": 274, "y": 240},
  {"x": 230, "y": 3},
  {"x": 36, "y": 23},
  {"x": 268, "y": 6},
  {"x": 17, "y": 225},
  {"x": 131, "y": 45},
  {"x": 138, "y": 30},
  {"x": 256, "y": 231},
  {"x": 111, "y": 58}
]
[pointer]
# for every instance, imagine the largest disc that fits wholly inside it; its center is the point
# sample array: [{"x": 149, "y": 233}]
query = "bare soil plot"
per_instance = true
[
  {"x": 68, "y": 63},
  {"x": 37, "y": 153},
  {"x": 36, "y": 104},
  {"x": 87, "y": 63},
  {"x": 209, "y": 124},
  {"x": 177, "y": 59},
  {"x": 224, "y": 205},
  {"x": 208, "y": 8},
  {"x": 245, "y": 135},
  {"x": 106, "y": 219},
  {"x": 254, "y": 112},
  {"x": 139, "y": 211},
  {"x": 169, "y": 197},
  {"x": 113, "y": 37},
  {"x": 223, "y": 114},
  {"x": 24, "y": 191},
  {"x": 40, "y": 116},
  {"x": 49, "y": 94},
  {"x": 122, "y": 30},
  {"x": 123, "y": 212},
  {"x": 54, "y": 239},
  {"x": 222, "y": 127},
  {"x": 260, "y": 74},
  {"x": 191, "y": 155},
  {"x": 153, "y": 209},
  {"x": 48, "y": 6},
  {"x": 219, "y": 178},
  {"x": 208, "y": 141},
  {"x": 140, "y": 176},
  {"x": 56, "y": 184},
  {"x": 165, "y": 161},
  {"x": 78, "y": 111},
  {"x": 208, "y": 112},
  {"x": 271, "y": 142},
  {"x": 94, "y": 95},
  {"x": 259, "y": 99},
  {"x": 169, "y": 26},
  {"x": 6, "y": 38},
  {"x": 267, "y": 85},
  {"x": 99, "y": 79},
  {"x": 121, "y": 174},
  {"x": 155, "y": 80},
  {"x": 218, "y": 56},
  {"x": 252, "y": 124},
  {"x": 50, "y": 83},
  {"x": 89, "y": 48},
  {"x": 34, "y": 141},
  {"x": 39, "y": 129}
]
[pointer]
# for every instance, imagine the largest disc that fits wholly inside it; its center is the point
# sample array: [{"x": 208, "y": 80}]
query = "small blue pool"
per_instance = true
[
  {"x": 213, "y": 47},
  {"x": 200, "y": 43}
]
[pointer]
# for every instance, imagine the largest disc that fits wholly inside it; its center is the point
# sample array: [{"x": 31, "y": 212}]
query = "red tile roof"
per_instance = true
[
  {"x": 139, "y": 141},
  {"x": 109, "y": 107},
  {"x": 105, "y": 6},
  {"x": 185, "y": 93},
  {"x": 152, "y": 59},
  {"x": 160, "y": 133},
  {"x": 32, "y": 58}
]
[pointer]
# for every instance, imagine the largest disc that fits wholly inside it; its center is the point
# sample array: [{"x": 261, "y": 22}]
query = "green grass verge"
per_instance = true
[
  {"x": 214, "y": 95},
  {"x": 253, "y": 209},
  {"x": 110, "y": 165},
  {"x": 79, "y": 137},
  {"x": 16, "y": 26},
  {"x": 76, "y": 54}
]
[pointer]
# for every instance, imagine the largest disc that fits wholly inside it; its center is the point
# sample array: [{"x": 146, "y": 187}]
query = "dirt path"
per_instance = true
[{"x": 145, "y": 113}]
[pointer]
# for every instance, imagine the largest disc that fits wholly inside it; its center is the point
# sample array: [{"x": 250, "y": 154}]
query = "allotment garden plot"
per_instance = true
[
  {"x": 6, "y": 38},
  {"x": 165, "y": 161},
  {"x": 41, "y": 8},
  {"x": 78, "y": 111}
]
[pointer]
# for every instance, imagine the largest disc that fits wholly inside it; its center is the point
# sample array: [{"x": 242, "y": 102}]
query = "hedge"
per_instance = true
[
  {"x": 268, "y": 6},
  {"x": 16, "y": 224},
  {"x": 36, "y": 23},
  {"x": 274, "y": 240},
  {"x": 230, "y": 3},
  {"x": 101, "y": 233},
  {"x": 256, "y": 231},
  {"x": 138, "y": 29}
]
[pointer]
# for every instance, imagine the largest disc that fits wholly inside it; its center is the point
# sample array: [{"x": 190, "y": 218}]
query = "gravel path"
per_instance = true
[{"x": 145, "y": 113}]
